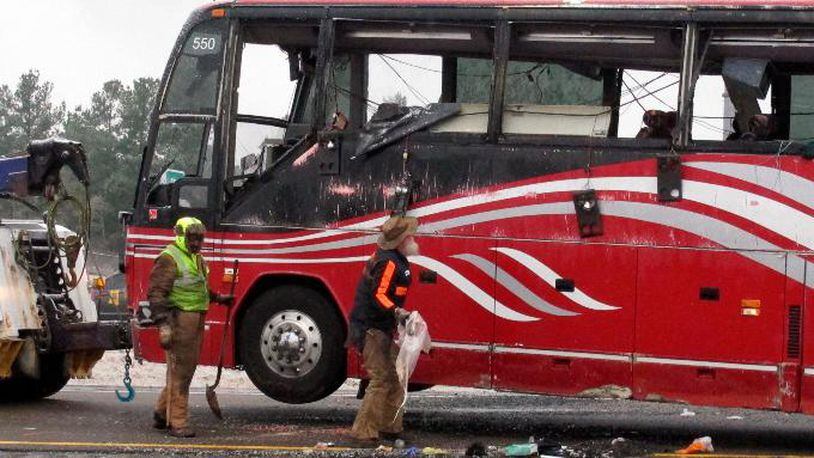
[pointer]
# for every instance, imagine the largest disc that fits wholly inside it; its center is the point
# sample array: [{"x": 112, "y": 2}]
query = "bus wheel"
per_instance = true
[{"x": 292, "y": 345}]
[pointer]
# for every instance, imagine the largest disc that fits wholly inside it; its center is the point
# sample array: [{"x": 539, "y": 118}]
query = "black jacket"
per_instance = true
[{"x": 383, "y": 287}]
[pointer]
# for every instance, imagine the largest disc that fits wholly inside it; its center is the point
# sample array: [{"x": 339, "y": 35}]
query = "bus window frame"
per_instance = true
[{"x": 158, "y": 117}]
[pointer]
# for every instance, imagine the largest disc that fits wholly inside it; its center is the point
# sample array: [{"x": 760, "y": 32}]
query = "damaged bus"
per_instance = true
[{"x": 616, "y": 198}]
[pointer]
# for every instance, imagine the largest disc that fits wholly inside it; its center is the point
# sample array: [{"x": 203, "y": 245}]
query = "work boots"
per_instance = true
[
  {"x": 159, "y": 422},
  {"x": 182, "y": 432}
]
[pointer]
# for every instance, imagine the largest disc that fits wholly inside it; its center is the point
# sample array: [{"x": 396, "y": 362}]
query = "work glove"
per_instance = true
[
  {"x": 165, "y": 335},
  {"x": 227, "y": 300},
  {"x": 402, "y": 315}
]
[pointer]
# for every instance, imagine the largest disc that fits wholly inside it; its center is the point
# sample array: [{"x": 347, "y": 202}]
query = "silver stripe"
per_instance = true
[
  {"x": 514, "y": 285},
  {"x": 275, "y": 260},
  {"x": 712, "y": 229},
  {"x": 546, "y": 274},
  {"x": 513, "y": 212},
  {"x": 793, "y": 186},
  {"x": 556, "y": 208},
  {"x": 479, "y": 296},
  {"x": 618, "y": 357},
  {"x": 720, "y": 232},
  {"x": 335, "y": 245},
  {"x": 713, "y": 364},
  {"x": 564, "y": 354},
  {"x": 461, "y": 346}
]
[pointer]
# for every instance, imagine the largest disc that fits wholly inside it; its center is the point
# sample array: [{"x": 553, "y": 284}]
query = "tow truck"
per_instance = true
[{"x": 49, "y": 326}]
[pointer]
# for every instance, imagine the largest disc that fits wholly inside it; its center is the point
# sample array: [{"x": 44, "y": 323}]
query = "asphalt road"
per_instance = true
[{"x": 91, "y": 421}]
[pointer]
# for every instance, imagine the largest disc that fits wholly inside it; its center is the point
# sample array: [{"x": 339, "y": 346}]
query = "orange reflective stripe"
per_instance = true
[
  {"x": 401, "y": 291},
  {"x": 384, "y": 285}
]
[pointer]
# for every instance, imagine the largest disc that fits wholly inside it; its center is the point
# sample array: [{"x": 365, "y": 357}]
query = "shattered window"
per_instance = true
[
  {"x": 337, "y": 93},
  {"x": 193, "y": 87},
  {"x": 404, "y": 79}
]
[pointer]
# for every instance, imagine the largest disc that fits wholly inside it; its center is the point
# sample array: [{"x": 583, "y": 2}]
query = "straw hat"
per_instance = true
[{"x": 395, "y": 230}]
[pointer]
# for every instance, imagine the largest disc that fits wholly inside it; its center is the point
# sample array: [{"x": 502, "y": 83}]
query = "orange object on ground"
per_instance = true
[{"x": 700, "y": 445}]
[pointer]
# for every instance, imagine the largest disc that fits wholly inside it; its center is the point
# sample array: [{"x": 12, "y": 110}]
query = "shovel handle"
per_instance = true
[{"x": 226, "y": 325}]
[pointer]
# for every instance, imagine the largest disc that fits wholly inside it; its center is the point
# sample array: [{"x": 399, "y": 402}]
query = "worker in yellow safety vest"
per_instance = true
[{"x": 179, "y": 297}]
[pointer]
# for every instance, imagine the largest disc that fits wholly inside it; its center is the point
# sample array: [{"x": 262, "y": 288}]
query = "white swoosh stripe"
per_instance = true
[
  {"x": 772, "y": 215},
  {"x": 550, "y": 277},
  {"x": 271, "y": 260},
  {"x": 467, "y": 287},
  {"x": 793, "y": 186},
  {"x": 483, "y": 299}
]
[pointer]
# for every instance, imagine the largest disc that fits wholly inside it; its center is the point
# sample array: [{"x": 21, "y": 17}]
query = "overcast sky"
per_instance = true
[{"x": 80, "y": 44}]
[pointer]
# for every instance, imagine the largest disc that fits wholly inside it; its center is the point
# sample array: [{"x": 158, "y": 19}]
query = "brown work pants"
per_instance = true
[
  {"x": 381, "y": 408},
  {"x": 182, "y": 359}
]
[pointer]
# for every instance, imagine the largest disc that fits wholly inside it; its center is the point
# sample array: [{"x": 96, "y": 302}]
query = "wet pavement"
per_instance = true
[{"x": 90, "y": 421}]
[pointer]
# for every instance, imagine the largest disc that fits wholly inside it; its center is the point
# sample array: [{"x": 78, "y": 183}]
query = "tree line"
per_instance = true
[{"x": 112, "y": 127}]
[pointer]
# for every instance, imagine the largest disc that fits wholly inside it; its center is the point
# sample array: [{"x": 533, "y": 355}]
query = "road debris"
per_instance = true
[
  {"x": 321, "y": 446},
  {"x": 700, "y": 445},
  {"x": 687, "y": 413},
  {"x": 527, "y": 449},
  {"x": 475, "y": 449},
  {"x": 618, "y": 440}
]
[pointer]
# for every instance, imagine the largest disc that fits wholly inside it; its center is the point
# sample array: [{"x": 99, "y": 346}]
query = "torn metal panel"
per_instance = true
[{"x": 392, "y": 123}]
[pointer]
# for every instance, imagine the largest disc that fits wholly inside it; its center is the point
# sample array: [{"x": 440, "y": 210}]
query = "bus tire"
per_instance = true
[{"x": 291, "y": 344}]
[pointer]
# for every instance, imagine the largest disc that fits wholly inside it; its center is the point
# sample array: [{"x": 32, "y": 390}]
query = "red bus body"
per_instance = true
[{"x": 701, "y": 300}]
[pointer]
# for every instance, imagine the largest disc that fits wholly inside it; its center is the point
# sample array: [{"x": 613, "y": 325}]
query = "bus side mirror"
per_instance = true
[{"x": 125, "y": 218}]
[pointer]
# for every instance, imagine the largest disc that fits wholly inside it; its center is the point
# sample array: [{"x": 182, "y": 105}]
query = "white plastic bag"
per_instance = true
[{"x": 413, "y": 339}]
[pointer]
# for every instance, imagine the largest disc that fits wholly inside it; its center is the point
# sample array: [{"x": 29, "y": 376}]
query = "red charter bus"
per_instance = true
[{"x": 616, "y": 197}]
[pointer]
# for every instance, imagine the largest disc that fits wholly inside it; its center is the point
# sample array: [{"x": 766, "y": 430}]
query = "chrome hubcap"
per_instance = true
[{"x": 291, "y": 343}]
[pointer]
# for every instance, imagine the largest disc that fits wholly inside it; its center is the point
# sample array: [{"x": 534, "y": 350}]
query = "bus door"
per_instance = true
[
  {"x": 710, "y": 326},
  {"x": 574, "y": 309}
]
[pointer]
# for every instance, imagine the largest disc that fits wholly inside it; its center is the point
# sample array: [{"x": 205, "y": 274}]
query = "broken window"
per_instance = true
[
  {"x": 648, "y": 105},
  {"x": 755, "y": 85},
  {"x": 264, "y": 100},
  {"x": 408, "y": 80},
  {"x": 590, "y": 80}
]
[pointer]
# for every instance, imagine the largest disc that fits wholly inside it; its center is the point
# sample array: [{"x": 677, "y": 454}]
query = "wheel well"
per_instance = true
[{"x": 271, "y": 281}]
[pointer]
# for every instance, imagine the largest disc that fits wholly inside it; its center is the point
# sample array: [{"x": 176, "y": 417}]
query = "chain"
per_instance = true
[
  {"x": 127, "y": 381},
  {"x": 128, "y": 362}
]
